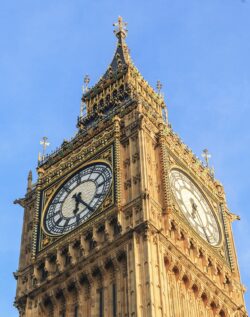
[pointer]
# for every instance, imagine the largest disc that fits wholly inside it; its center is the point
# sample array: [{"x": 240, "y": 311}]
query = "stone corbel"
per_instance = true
[
  {"x": 117, "y": 228},
  {"x": 228, "y": 284},
  {"x": 83, "y": 245},
  {"x": 194, "y": 251},
  {"x": 50, "y": 265},
  {"x": 60, "y": 261},
  {"x": 37, "y": 273},
  {"x": 74, "y": 250},
  {"x": 204, "y": 260},
  {"x": 108, "y": 232},
  {"x": 90, "y": 238},
  {"x": 178, "y": 234}
]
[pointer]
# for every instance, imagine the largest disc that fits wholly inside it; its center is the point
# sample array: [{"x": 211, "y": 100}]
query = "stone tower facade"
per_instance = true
[{"x": 124, "y": 220}]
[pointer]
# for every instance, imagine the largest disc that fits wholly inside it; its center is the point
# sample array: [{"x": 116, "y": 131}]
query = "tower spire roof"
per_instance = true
[
  {"x": 121, "y": 81},
  {"x": 121, "y": 58}
]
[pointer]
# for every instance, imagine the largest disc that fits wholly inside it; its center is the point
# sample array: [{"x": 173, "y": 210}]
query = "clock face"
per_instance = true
[
  {"x": 78, "y": 198},
  {"x": 195, "y": 207}
]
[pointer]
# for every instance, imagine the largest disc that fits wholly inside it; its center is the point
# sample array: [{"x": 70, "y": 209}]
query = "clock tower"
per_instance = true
[{"x": 124, "y": 220}]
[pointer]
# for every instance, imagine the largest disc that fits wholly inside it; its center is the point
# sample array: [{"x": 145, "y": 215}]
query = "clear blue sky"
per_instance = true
[{"x": 200, "y": 50}]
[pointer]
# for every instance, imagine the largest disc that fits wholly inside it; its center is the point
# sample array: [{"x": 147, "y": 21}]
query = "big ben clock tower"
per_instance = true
[{"x": 124, "y": 220}]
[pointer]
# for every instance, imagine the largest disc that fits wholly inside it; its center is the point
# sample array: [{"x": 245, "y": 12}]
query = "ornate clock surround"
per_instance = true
[
  {"x": 219, "y": 243},
  {"x": 48, "y": 192}
]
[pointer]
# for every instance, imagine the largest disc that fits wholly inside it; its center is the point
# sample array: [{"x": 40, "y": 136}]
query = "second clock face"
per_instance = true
[
  {"x": 195, "y": 207},
  {"x": 78, "y": 198}
]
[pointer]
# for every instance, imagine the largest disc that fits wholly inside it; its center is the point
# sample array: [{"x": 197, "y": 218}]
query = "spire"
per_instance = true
[
  {"x": 104, "y": 95},
  {"x": 119, "y": 63},
  {"x": 121, "y": 57},
  {"x": 29, "y": 187}
]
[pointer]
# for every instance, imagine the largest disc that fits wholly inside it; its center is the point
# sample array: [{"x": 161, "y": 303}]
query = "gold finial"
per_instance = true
[
  {"x": 121, "y": 28},
  {"x": 44, "y": 142},
  {"x": 206, "y": 155}
]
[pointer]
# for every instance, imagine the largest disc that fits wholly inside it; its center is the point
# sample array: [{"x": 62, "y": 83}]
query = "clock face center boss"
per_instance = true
[{"x": 78, "y": 198}]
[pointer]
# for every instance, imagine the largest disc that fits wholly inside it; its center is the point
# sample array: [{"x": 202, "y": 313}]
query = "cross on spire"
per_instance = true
[
  {"x": 44, "y": 142},
  {"x": 206, "y": 155},
  {"x": 121, "y": 28}
]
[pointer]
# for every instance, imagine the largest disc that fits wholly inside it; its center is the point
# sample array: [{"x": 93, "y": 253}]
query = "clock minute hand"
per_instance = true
[
  {"x": 79, "y": 200},
  {"x": 77, "y": 203}
]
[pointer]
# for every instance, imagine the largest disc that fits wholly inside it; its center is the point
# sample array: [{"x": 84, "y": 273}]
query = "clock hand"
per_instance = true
[
  {"x": 196, "y": 213},
  {"x": 78, "y": 199},
  {"x": 204, "y": 228},
  {"x": 86, "y": 205},
  {"x": 77, "y": 203}
]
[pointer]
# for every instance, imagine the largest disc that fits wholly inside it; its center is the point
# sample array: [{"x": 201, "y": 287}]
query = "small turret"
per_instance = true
[{"x": 29, "y": 187}]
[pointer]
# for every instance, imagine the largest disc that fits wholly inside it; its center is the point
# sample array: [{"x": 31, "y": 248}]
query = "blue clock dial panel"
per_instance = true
[{"x": 78, "y": 198}]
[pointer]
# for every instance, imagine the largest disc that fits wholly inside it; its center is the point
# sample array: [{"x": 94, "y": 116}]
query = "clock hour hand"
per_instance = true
[
  {"x": 78, "y": 200},
  {"x": 196, "y": 213},
  {"x": 77, "y": 204}
]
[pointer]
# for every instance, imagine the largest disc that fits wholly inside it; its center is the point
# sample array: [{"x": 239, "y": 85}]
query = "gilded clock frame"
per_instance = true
[
  {"x": 100, "y": 157},
  {"x": 59, "y": 186}
]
